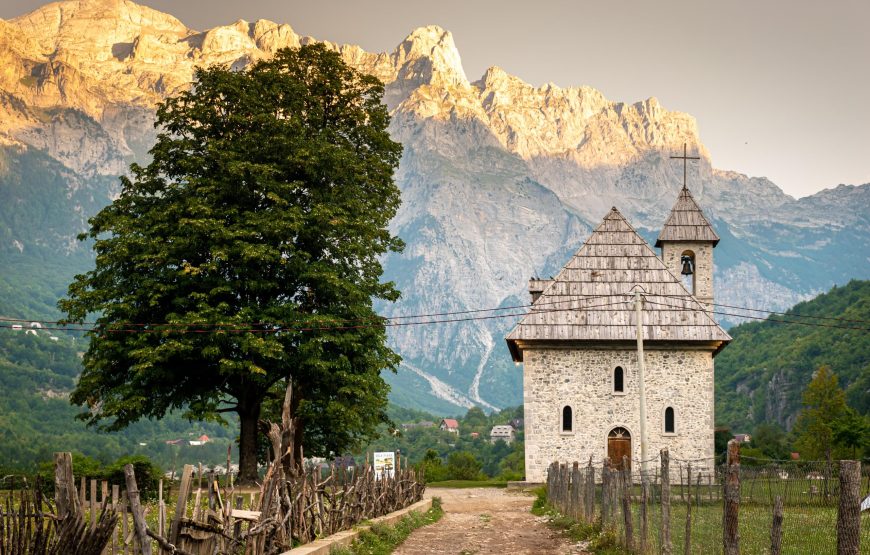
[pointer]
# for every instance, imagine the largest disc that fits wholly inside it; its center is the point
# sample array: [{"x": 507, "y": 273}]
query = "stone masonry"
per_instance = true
[
  {"x": 671, "y": 255},
  {"x": 583, "y": 380}
]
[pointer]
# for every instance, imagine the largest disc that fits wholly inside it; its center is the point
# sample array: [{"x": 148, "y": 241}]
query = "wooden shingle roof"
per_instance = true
[
  {"x": 686, "y": 222},
  {"x": 591, "y": 299}
]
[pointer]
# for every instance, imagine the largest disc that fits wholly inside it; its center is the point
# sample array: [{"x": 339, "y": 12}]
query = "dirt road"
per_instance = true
[{"x": 485, "y": 520}]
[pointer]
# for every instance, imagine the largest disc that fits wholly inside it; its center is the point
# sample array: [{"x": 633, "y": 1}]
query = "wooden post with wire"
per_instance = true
[
  {"x": 666, "y": 502},
  {"x": 849, "y": 510},
  {"x": 730, "y": 531},
  {"x": 776, "y": 528}
]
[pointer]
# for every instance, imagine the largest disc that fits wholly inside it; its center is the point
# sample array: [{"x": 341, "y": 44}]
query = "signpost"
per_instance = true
[{"x": 385, "y": 464}]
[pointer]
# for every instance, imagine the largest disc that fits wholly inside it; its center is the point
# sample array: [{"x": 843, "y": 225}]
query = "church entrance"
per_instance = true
[{"x": 618, "y": 446}]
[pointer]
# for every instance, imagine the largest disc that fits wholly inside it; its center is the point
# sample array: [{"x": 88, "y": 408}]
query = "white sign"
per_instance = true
[{"x": 385, "y": 464}]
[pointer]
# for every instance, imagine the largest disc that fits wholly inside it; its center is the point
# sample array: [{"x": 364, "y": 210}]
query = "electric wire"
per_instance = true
[
  {"x": 275, "y": 328},
  {"x": 788, "y": 314},
  {"x": 768, "y": 319},
  {"x": 573, "y": 299},
  {"x": 395, "y": 321}
]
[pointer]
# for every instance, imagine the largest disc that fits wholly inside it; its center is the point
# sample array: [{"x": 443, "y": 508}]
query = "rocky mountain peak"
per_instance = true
[
  {"x": 88, "y": 26},
  {"x": 429, "y": 56}
]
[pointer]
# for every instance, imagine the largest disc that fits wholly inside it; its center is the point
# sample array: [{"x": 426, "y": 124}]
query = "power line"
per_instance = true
[
  {"x": 383, "y": 321},
  {"x": 376, "y": 318},
  {"x": 160, "y": 328},
  {"x": 768, "y": 319},
  {"x": 788, "y": 314}
]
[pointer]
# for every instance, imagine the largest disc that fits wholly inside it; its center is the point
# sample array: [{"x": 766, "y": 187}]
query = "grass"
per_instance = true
[
  {"x": 805, "y": 529},
  {"x": 595, "y": 539},
  {"x": 461, "y": 484},
  {"x": 382, "y": 539}
]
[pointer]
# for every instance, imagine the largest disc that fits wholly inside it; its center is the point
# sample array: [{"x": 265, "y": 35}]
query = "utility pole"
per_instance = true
[{"x": 638, "y": 313}]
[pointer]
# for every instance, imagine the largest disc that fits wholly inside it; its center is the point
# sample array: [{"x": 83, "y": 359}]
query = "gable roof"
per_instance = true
[
  {"x": 450, "y": 423},
  {"x": 591, "y": 298},
  {"x": 686, "y": 222}
]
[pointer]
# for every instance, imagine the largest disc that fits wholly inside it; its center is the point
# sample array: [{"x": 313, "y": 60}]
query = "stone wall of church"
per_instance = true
[
  {"x": 703, "y": 276},
  {"x": 583, "y": 380}
]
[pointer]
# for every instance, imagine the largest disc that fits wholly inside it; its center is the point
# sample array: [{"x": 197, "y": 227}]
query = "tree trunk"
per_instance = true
[
  {"x": 249, "y": 416},
  {"x": 291, "y": 432},
  {"x": 297, "y": 443}
]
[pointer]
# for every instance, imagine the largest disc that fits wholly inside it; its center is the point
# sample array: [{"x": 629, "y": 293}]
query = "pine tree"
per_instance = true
[{"x": 823, "y": 404}]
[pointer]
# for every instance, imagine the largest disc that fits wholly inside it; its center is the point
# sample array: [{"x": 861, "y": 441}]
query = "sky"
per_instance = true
[{"x": 779, "y": 87}]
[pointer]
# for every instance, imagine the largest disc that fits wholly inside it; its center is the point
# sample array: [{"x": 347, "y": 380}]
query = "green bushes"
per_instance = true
[
  {"x": 147, "y": 473},
  {"x": 464, "y": 466}
]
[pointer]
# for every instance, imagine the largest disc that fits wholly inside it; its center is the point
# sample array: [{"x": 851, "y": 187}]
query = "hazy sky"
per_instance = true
[{"x": 780, "y": 88}]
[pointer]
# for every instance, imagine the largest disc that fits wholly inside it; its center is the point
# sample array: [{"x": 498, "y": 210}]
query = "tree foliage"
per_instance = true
[
  {"x": 787, "y": 355},
  {"x": 259, "y": 223},
  {"x": 823, "y": 404}
]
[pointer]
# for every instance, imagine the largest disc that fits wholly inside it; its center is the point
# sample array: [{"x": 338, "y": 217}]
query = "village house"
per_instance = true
[
  {"x": 578, "y": 346},
  {"x": 449, "y": 425},
  {"x": 504, "y": 433}
]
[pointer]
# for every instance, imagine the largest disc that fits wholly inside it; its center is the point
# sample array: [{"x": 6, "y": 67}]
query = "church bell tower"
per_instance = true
[{"x": 687, "y": 241}]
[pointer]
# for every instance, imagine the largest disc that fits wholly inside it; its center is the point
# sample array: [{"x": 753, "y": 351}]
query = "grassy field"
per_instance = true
[{"x": 805, "y": 530}]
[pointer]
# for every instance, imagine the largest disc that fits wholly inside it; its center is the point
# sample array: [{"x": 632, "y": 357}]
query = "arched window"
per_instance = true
[
  {"x": 618, "y": 379},
  {"x": 670, "y": 426},
  {"x": 567, "y": 419}
]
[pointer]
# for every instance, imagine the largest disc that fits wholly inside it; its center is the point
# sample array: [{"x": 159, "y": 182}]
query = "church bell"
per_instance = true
[{"x": 687, "y": 266}]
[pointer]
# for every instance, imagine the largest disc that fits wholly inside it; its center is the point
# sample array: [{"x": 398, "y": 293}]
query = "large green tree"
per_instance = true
[
  {"x": 245, "y": 257},
  {"x": 824, "y": 404}
]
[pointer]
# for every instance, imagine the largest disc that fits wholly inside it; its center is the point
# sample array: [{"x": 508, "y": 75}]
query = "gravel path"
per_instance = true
[{"x": 486, "y": 520}]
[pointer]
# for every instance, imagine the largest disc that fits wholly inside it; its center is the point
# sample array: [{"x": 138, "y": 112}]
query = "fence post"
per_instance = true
[
  {"x": 626, "y": 503},
  {"x": 776, "y": 529},
  {"x": 576, "y": 506},
  {"x": 590, "y": 492},
  {"x": 688, "y": 543},
  {"x": 731, "y": 534},
  {"x": 666, "y": 502},
  {"x": 65, "y": 495},
  {"x": 605, "y": 493},
  {"x": 849, "y": 511},
  {"x": 644, "y": 518},
  {"x": 566, "y": 479},
  {"x": 181, "y": 504},
  {"x": 136, "y": 508}
]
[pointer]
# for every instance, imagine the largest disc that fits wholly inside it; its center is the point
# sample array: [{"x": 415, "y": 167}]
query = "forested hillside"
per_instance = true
[
  {"x": 36, "y": 418},
  {"x": 761, "y": 374}
]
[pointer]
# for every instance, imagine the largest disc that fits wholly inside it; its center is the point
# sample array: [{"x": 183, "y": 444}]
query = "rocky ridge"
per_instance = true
[{"x": 501, "y": 180}]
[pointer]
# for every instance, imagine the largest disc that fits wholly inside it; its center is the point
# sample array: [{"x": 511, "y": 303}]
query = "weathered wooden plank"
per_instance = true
[{"x": 181, "y": 504}]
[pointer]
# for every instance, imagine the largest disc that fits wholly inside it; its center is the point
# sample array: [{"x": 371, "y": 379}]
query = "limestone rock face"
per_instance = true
[{"x": 501, "y": 180}]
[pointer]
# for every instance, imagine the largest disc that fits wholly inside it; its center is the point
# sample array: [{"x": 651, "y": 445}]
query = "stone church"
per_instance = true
[{"x": 578, "y": 346}]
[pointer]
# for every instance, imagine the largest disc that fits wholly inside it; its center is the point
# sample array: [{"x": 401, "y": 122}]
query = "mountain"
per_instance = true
[
  {"x": 761, "y": 376},
  {"x": 501, "y": 180}
]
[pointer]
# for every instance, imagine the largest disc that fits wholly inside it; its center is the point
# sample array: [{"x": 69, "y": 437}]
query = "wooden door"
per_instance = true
[{"x": 618, "y": 446}]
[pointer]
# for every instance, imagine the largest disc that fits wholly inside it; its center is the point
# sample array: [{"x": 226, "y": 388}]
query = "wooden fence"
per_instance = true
[
  {"x": 650, "y": 514},
  {"x": 29, "y": 525},
  {"x": 203, "y": 517}
]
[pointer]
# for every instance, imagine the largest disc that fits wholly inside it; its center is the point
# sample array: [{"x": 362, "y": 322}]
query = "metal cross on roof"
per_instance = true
[{"x": 685, "y": 158}]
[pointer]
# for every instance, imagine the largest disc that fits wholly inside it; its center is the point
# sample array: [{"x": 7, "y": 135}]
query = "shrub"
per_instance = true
[
  {"x": 463, "y": 466},
  {"x": 147, "y": 474}
]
